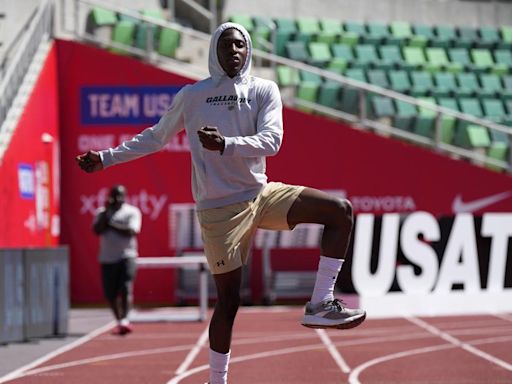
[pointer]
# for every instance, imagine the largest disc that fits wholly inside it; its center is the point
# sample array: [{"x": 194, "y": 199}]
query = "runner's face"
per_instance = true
[{"x": 232, "y": 51}]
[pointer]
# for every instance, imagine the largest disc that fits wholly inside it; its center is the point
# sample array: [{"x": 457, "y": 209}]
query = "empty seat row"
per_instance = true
[
  {"x": 132, "y": 32},
  {"x": 415, "y": 83},
  {"x": 376, "y": 33},
  {"x": 340, "y": 56}
]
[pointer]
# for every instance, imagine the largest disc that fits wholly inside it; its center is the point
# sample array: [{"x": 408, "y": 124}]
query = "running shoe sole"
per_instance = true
[{"x": 350, "y": 324}]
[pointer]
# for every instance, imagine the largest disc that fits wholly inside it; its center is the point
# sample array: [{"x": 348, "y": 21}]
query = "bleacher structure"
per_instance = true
[
  {"x": 442, "y": 86},
  {"x": 467, "y": 70}
]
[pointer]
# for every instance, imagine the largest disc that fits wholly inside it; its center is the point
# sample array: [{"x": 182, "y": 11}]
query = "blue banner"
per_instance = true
[{"x": 106, "y": 105}]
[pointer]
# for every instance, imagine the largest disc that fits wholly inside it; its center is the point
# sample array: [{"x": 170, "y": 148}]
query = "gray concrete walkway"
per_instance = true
[{"x": 81, "y": 322}]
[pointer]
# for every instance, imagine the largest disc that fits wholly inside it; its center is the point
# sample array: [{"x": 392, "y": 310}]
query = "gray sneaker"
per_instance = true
[{"x": 332, "y": 314}]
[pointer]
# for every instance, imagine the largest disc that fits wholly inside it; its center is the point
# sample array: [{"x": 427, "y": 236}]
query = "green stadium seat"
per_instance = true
[
  {"x": 307, "y": 91},
  {"x": 355, "y": 27},
  {"x": 169, "y": 41},
  {"x": 349, "y": 38},
  {"x": 141, "y": 35},
  {"x": 508, "y": 106},
  {"x": 101, "y": 16},
  {"x": 437, "y": 59},
  {"x": 329, "y": 94},
  {"x": 507, "y": 88},
  {"x": 332, "y": 26},
  {"x": 422, "y": 83},
  {"x": 287, "y": 76},
  {"x": 350, "y": 95},
  {"x": 405, "y": 115},
  {"x": 425, "y": 121},
  {"x": 445, "y": 36},
  {"x": 378, "y": 77},
  {"x": 445, "y": 84},
  {"x": 244, "y": 20},
  {"x": 307, "y": 28},
  {"x": 382, "y": 109},
  {"x": 296, "y": 50},
  {"x": 494, "y": 110},
  {"x": 310, "y": 77},
  {"x": 424, "y": 30},
  {"x": 503, "y": 57},
  {"x": 377, "y": 33},
  {"x": 506, "y": 37},
  {"x": 285, "y": 24},
  {"x": 401, "y": 31},
  {"x": 100, "y": 22},
  {"x": 330, "y": 31},
  {"x": 282, "y": 37},
  {"x": 261, "y": 33},
  {"x": 337, "y": 65},
  {"x": 473, "y": 136},
  {"x": 320, "y": 53},
  {"x": 285, "y": 31},
  {"x": 390, "y": 57},
  {"x": 490, "y": 85},
  {"x": 482, "y": 59},
  {"x": 342, "y": 53},
  {"x": 471, "y": 106},
  {"x": 399, "y": 80},
  {"x": 467, "y": 37},
  {"x": 366, "y": 55},
  {"x": 414, "y": 56},
  {"x": 448, "y": 122},
  {"x": 461, "y": 57},
  {"x": 489, "y": 37},
  {"x": 124, "y": 34},
  {"x": 468, "y": 84},
  {"x": 497, "y": 151}
]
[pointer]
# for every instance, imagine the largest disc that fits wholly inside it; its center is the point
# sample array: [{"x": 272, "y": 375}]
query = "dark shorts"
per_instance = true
[{"x": 118, "y": 277}]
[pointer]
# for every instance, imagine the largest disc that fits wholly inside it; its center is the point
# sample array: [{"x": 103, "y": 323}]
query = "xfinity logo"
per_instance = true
[
  {"x": 227, "y": 100},
  {"x": 149, "y": 204}
]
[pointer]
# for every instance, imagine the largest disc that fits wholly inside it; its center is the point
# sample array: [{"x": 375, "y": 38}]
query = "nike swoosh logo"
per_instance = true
[{"x": 460, "y": 206}]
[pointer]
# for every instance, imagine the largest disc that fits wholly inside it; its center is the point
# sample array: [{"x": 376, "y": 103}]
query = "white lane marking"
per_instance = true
[
  {"x": 353, "y": 378},
  {"x": 333, "y": 351},
  {"x": 354, "y": 375},
  {"x": 467, "y": 347},
  {"x": 114, "y": 356},
  {"x": 193, "y": 353},
  {"x": 20, "y": 371}
]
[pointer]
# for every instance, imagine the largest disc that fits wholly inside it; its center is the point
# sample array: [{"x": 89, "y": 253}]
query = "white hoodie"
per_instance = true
[{"x": 246, "y": 110}]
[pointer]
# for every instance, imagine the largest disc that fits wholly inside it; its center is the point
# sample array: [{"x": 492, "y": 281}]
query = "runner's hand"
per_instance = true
[
  {"x": 211, "y": 139},
  {"x": 90, "y": 161}
]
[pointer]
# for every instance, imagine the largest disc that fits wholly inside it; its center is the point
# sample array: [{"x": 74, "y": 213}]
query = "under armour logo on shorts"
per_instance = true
[{"x": 219, "y": 263}]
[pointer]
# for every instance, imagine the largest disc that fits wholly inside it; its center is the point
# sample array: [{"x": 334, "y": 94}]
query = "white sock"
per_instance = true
[
  {"x": 328, "y": 269},
  {"x": 219, "y": 367}
]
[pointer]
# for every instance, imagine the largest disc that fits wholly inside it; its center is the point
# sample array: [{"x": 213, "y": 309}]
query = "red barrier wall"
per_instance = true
[
  {"x": 378, "y": 174},
  {"x": 29, "y": 172}
]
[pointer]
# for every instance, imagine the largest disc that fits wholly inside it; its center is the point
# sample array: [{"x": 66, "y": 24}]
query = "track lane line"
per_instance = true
[
  {"x": 333, "y": 351},
  {"x": 192, "y": 354},
  {"x": 453, "y": 340}
]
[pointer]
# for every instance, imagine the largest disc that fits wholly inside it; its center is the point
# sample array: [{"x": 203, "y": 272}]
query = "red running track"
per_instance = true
[{"x": 269, "y": 346}]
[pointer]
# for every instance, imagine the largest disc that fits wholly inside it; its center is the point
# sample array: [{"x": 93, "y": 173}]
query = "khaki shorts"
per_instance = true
[{"x": 228, "y": 231}]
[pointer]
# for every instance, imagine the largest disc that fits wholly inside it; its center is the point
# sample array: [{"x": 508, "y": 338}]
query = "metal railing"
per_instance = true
[
  {"x": 362, "y": 118},
  {"x": 38, "y": 29}
]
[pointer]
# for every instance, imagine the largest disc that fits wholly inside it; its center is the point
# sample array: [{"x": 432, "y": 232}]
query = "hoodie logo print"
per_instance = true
[{"x": 227, "y": 100}]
